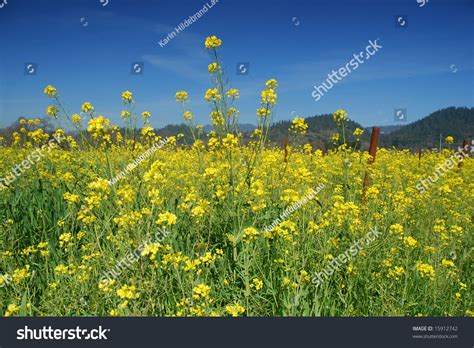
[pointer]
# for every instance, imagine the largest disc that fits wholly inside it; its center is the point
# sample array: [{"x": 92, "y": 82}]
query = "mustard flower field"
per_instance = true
[{"x": 99, "y": 219}]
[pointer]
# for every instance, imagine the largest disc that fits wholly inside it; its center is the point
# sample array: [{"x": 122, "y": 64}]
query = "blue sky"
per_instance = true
[{"x": 425, "y": 66}]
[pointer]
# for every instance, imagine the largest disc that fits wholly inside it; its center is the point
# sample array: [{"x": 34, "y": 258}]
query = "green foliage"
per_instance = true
[{"x": 425, "y": 133}]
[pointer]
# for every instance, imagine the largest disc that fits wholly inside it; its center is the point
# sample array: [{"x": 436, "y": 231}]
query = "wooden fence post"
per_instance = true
[
  {"x": 285, "y": 146},
  {"x": 463, "y": 154},
  {"x": 372, "y": 152}
]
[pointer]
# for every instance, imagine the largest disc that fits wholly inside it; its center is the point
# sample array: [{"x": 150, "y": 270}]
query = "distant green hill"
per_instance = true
[
  {"x": 425, "y": 133},
  {"x": 318, "y": 134}
]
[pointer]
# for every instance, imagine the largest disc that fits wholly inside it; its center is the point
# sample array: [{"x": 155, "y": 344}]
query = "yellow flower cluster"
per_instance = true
[
  {"x": 181, "y": 96},
  {"x": 425, "y": 270},
  {"x": 166, "y": 218},
  {"x": 146, "y": 115},
  {"x": 127, "y": 97},
  {"x": 87, "y": 108},
  {"x": 235, "y": 310},
  {"x": 396, "y": 272},
  {"x": 98, "y": 127},
  {"x": 52, "y": 111},
  {"x": 107, "y": 285},
  {"x": 128, "y": 220},
  {"x": 340, "y": 117},
  {"x": 217, "y": 118},
  {"x": 188, "y": 115},
  {"x": 12, "y": 309},
  {"x": 76, "y": 118},
  {"x": 410, "y": 241},
  {"x": 212, "y": 95},
  {"x": 212, "y": 42},
  {"x": 128, "y": 292},
  {"x": 298, "y": 126},
  {"x": 50, "y": 91},
  {"x": 250, "y": 234},
  {"x": 269, "y": 96},
  {"x": 358, "y": 132},
  {"x": 232, "y": 93},
  {"x": 20, "y": 274},
  {"x": 213, "y": 67},
  {"x": 257, "y": 284},
  {"x": 201, "y": 292},
  {"x": 396, "y": 229}
]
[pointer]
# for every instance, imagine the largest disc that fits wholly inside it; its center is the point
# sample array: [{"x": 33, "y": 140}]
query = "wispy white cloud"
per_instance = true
[
  {"x": 181, "y": 66},
  {"x": 304, "y": 75},
  {"x": 184, "y": 55}
]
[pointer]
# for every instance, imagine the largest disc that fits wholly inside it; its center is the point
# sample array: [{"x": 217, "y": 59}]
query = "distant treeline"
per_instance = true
[{"x": 425, "y": 133}]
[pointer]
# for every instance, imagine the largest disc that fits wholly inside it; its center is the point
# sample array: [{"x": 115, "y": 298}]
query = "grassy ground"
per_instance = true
[{"x": 63, "y": 228}]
